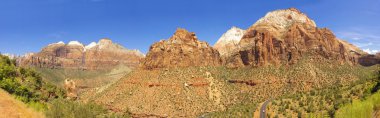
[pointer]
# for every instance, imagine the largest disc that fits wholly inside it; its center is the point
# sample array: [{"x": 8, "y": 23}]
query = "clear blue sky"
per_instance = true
[{"x": 28, "y": 25}]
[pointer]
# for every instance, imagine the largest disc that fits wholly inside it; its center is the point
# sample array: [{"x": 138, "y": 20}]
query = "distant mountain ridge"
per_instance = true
[
  {"x": 281, "y": 37},
  {"x": 102, "y": 55}
]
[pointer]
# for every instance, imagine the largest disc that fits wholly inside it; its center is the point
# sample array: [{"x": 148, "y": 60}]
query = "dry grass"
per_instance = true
[{"x": 12, "y": 108}]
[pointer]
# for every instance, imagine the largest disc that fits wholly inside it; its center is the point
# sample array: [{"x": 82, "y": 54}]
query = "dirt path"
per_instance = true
[
  {"x": 12, "y": 108},
  {"x": 376, "y": 114}
]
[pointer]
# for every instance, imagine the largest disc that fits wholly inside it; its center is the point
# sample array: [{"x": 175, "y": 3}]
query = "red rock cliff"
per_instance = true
[
  {"x": 183, "y": 49},
  {"x": 102, "y": 55},
  {"x": 284, "y": 37}
]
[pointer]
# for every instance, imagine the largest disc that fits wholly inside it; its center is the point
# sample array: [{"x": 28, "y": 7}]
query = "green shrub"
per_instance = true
[
  {"x": 26, "y": 84},
  {"x": 363, "y": 109},
  {"x": 62, "y": 108},
  {"x": 301, "y": 104},
  {"x": 37, "y": 106},
  {"x": 238, "y": 110},
  {"x": 299, "y": 114}
]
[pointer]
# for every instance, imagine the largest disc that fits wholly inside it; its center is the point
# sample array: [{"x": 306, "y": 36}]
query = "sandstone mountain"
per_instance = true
[
  {"x": 284, "y": 37},
  {"x": 102, "y": 55},
  {"x": 229, "y": 41},
  {"x": 281, "y": 37},
  {"x": 183, "y": 49}
]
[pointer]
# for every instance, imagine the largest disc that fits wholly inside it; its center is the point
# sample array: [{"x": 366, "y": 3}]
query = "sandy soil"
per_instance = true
[{"x": 12, "y": 108}]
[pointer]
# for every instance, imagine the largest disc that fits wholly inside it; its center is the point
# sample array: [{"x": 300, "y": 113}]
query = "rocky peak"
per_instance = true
[
  {"x": 58, "y": 43},
  {"x": 183, "y": 49},
  {"x": 233, "y": 35},
  {"x": 284, "y": 37},
  {"x": 105, "y": 44},
  {"x": 105, "y": 41},
  {"x": 351, "y": 48},
  {"x": 91, "y": 45},
  {"x": 282, "y": 19},
  {"x": 54, "y": 46},
  {"x": 183, "y": 36},
  {"x": 229, "y": 41},
  {"x": 75, "y": 43},
  {"x": 138, "y": 52}
]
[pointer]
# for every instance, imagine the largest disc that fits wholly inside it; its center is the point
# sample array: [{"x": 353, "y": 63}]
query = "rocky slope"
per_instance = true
[
  {"x": 284, "y": 37},
  {"x": 229, "y": 41},
  {"x": 102, "y": 55},
  {"x": 183, "y": 49},
  {"x": 193, "y": 92}
]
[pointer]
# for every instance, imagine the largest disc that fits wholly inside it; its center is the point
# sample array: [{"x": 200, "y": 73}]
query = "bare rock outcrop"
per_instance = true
[
  {"x": 71, "y": 89},
  {"x": 229, "y": 41},
  {"x": 284, "y": 37},
  {"x": 370, "y": 60},
  {"x": 106, "y": 53},
  {"x": 183, "y": 49},
  {"x": 74, "y": 55}
]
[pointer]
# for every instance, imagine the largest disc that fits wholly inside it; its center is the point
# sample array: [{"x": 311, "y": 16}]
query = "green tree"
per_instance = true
[
  {"x": 26, "y": 84},
  {"x": 299, "y": 114}
]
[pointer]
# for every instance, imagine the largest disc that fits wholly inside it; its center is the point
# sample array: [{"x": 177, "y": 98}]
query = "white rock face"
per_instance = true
[
  {"x": 75, "y": 43},
  {"x": 58, "y": 43},
  {"x": 229, "y": 40},
  {"x": 104, "y": 43},
  {"x": 233, "y": 35},
  {"x": 107, "y": 45},
  {"x": 91, "y": 45},
  {"x": 138, "y": 52},
  {"x": 281, "y": 19}
]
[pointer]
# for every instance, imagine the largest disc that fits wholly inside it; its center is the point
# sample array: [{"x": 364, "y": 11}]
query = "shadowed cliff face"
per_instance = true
[
  {"x": 285, "y": 36},
  {"x": 183, "y": 49},
  {"x": 74, "y": 55},
  {"x": 369, "y": 60}
]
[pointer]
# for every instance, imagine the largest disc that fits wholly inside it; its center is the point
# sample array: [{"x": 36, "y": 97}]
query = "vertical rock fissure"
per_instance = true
[{"x": 256, "y": 53}]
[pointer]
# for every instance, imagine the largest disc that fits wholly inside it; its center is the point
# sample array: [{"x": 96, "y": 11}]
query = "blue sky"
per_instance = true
[{"x": 29, "y": 25}]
